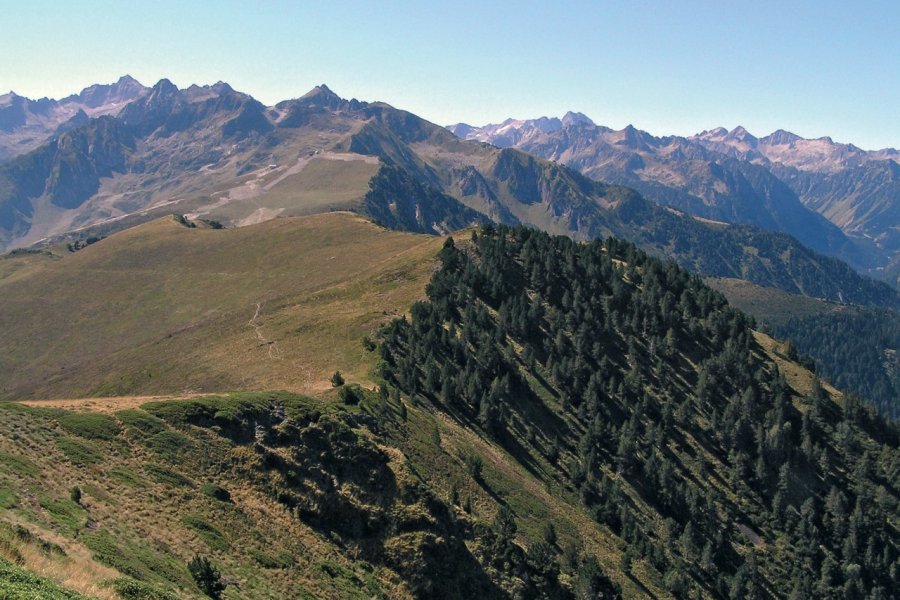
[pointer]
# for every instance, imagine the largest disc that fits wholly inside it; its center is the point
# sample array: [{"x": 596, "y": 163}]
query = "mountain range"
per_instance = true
[
  {"x": 25, "y": 124},
  {"x": 835, "y": 198},
  {"x": 328, "y": 349},
  {"x": 215, "y": 153}
]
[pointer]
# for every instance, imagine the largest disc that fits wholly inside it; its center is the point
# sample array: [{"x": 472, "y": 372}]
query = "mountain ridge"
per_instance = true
[
  {"x": 778, "y": 182},
  {"x": 216, "y": 153}
]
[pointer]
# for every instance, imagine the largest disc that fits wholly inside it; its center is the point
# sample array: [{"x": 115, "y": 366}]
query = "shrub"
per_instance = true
[
  {"x": 475, "y": 465},
  {"x": 281, "y": 560},
  {"x": 216, "y": 492},
  {"x": 206, "y": 576},
  {"x": 75, "y": 495},
  {"x": 349, "y": 395},
  {"x": 140, "y": 423},
  {"x": 167, "y": 476},
  {"x": 207, "y": 532},
  {"x": 337, "y": 380},
  {"x": 169, "y": 445}
]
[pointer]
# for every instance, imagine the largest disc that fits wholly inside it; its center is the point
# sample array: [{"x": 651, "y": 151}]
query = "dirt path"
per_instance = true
[{"x": 272, "y": 345}]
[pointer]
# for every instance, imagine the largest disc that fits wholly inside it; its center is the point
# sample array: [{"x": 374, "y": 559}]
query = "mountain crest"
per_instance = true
[
  {"x": 576, "y": 118},
  {"x": 741, "y": 135},
  {"x": 782, "y": 137}
]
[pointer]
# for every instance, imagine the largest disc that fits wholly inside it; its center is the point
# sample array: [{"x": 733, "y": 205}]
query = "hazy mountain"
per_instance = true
[
  {"x": 25, "y": 124},
  {"x": 216, "y": 153},
  {"x": 854, "y": 188},
  {"x": 779, "y": 183}
]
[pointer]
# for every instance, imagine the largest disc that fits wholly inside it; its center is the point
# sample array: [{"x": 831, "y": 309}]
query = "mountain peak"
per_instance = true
[
  {"x": 576, "y": 118},
  {"x": 126, "y": 89},
  {"x": 220, "y": 87},
  {"x": 164, "y": 87},
  {"x": 321, "y": 96},
  {"x": 782, "y": 137},
  {"x": 741, "y": 135},
  {"x": 127, "y": 80},
  {"x": 321, "y": 91}
]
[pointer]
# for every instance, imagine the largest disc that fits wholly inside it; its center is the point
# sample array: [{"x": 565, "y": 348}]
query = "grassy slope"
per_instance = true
[
  {"x": 161, "y": 308},
  {"x": 45, "y": 451},
  {"x": 144, "y": 512},
  {"x": 770, "y": 305}
]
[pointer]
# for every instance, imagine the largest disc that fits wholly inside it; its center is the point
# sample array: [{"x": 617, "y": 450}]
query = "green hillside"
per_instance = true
[
  {"x": 633, "y": 386},
  {"x": 522, "y": 416}
]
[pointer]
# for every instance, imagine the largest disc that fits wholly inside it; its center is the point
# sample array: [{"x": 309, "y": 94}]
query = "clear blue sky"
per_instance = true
[{"x": 670, "y": 67}]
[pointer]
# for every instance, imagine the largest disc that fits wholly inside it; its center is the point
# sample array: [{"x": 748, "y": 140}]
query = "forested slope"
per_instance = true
[{"x": 644, "y": 392}]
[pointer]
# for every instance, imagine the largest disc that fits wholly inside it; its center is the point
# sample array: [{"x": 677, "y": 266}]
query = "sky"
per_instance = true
[{"x": 669, "y": 67}]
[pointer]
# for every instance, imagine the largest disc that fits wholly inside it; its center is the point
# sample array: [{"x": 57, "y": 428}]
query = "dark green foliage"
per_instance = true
[
  {"x": 207, "y": 532},
  {"x": 81, "y": 244},
  {"x": 139, "y": 423},
  {"x": 139, "y": 561},
  {"x": 182, "y": 220},
  {"x": 167, "y": 476},
  {"x": 474, "y": 465},
  {"x": 856, "y": 349},
  {"x": 350, "y": 395},
  {"x": 75, "y": 494},
  {"x": 642, "y": 381},
  {"x": 19, "y": 465},
  {"x": 337, "y": 380},
  {"x": 591, "y": 583},
  {"x": 206, "y": 576},
  {"x": 216, "y": 492},
  {"x": 282, "y": 560},
  {"x": 549, "y": 534},
  {"x": 169, "y": 445}
]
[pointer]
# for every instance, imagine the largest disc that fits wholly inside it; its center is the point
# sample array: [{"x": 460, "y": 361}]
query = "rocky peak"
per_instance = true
[
  {"x": 461, "y": 130},
  {"x": 739, "y": 134},
  {"x": 781, "y": 137},
  {"x": 163, "y": 88},
  {"x": 572, "y": 119},
  {"x": 321, "y": 97},
  {"x": 122, "y": 91},
  {"x": 220, "y": 87}
]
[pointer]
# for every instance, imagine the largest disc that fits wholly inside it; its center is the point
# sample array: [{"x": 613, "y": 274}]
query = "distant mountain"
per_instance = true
[
  {"x": 216, "y": 153},
  {"x": 780, "y": 182},
  {"x": 25, "y": 124},
  {"x": 858, "y": 190}
]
